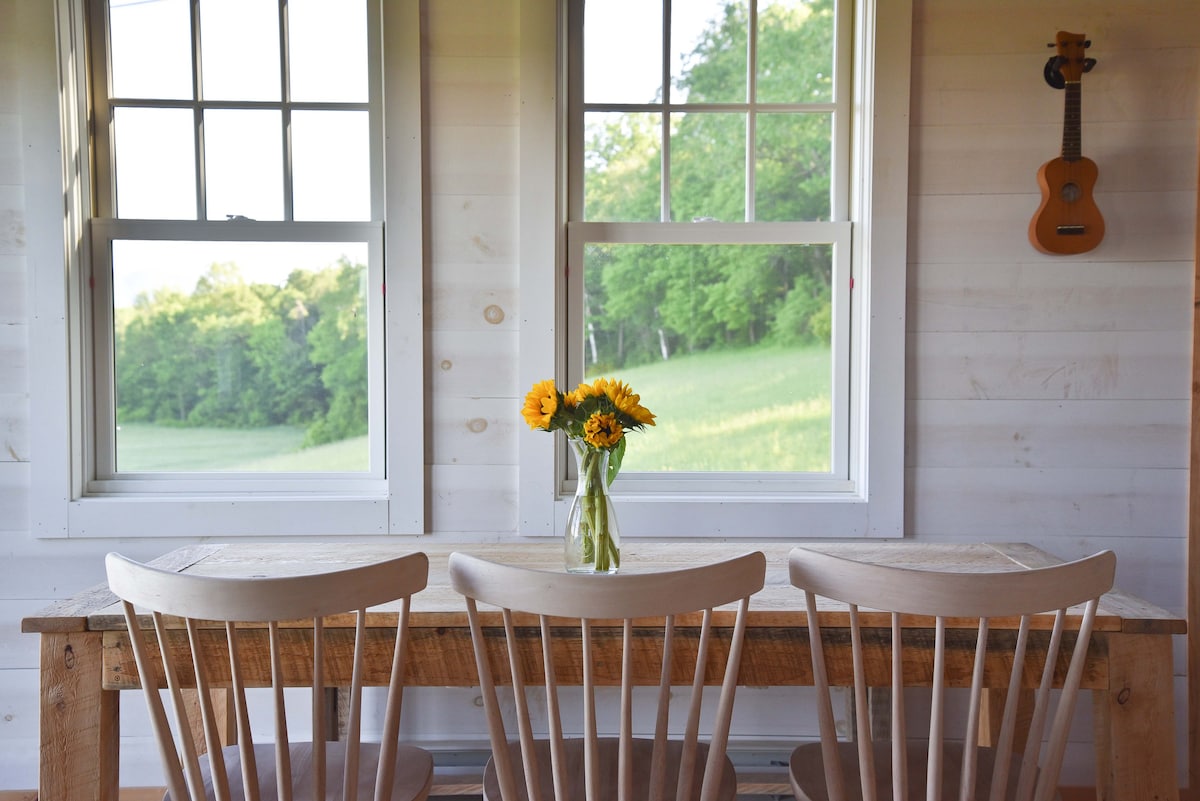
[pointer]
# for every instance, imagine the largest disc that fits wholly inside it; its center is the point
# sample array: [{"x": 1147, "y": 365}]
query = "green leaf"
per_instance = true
[{"x": 615, "y": 456}]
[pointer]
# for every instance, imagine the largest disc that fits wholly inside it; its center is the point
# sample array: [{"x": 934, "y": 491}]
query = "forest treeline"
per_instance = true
[{"x": 234, "y": 354}]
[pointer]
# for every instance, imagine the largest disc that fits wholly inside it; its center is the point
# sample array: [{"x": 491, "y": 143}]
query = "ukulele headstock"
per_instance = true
[{"x": 1070, "y": 63}]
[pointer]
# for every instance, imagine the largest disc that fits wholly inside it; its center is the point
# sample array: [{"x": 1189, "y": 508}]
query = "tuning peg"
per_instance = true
[
  {"x": 1087, "y": 43},
  {"x": 1051, "y": 44},
  {"x": 1088, "y": 63}
]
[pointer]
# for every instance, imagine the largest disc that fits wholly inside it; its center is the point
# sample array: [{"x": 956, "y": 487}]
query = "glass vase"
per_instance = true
[{"x": 592, "y": 539}]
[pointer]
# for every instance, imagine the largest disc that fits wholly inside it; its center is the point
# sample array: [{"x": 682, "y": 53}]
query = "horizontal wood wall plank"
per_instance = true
[
  {"x": 14, "y": 499},
  {"x": 473, "y": 159},
  {"x": 473, "y": 229},
  {"x": 475, "y": 297},
  {"x": 470, "y": 364},
  {"x": 1042, "y": 505},
  {"x": 1102, "y": 365},
  {"x": 14, "y": 428},
  {"x": 946, "y": 159},
  {"x": 473, "y": 28},
  {"x": 475, "y": 431},
  {"x": 1139, "y": 227},
  {"x": 473, "y": 91},
  {"x": 11, "y": 170},
  {"x": 473, "y": 498},
  {"x": 12, "y": 219},
  {"x": 962, "y": 89},
  {"x": 1067, "y": 296},
  {"x": 1019, "y": 26},
  {"x": 1047, "y": 433}
]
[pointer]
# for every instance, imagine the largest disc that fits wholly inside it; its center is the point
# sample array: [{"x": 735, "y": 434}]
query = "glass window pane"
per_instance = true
[
  {"x": 622, "y": 164},
  {"x": 155, "y": 157},
  {"x": 708, "y": 51},
  {"x": 331, "y": 165},
  {"x": 316, "y": 29},
  {"x": 622, "y": 52},
  {"x": 667, "y": 318},
  {"x": 151, "y": 49},
  {"x": 793, "y": 156},
  {"x": 243, "y": 164},
  {"x": 239, "y": 49},
  {"x": 240, "y": 356},
  {"x": 795, "y": 51},
  {"x": 708, "y": 167}
]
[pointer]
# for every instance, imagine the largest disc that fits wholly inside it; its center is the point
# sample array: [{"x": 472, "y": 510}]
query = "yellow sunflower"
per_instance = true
[
  {"x": 540, "y": 405},
  {"x": 602, "y": 430},
  {"x": 581, "y": 393},
  {"x": 625, "y": 400}
]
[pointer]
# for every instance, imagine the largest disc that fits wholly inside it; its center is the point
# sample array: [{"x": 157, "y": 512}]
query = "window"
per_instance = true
[
  {"x": 731, "y": 176},
  {"x": 227, "y": 264}
]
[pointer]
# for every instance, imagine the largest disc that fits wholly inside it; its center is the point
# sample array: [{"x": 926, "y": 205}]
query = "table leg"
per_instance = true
[
  {"x": 80, "y": 723},
  {"x": 1135, "y": 758}
]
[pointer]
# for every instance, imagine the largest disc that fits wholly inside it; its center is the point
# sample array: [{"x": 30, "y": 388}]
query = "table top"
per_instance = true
[{"x": 778, "y": 604}]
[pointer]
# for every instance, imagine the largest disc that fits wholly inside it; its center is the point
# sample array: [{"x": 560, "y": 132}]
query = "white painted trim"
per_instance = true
[
  {"x": 393, "y": 504},
  {"x": 541, "y": 244},
  {"x": 870, "y": 504}
]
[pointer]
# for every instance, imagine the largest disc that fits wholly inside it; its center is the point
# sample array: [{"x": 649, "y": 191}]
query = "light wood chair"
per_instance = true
[
  {"x": 947, "y": 763},
  {"x": 230, "y": 630},
  {"x": 525, "y": 645}
]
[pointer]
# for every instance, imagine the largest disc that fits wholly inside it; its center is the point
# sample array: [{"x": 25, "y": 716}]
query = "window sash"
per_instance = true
[
  {"x": 62, "y": 373},
  {"x": 874, "y": 140},
  {"x": 102, "y": 457}
]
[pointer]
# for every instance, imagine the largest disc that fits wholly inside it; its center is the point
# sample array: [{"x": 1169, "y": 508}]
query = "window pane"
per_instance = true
[
  {"x": 792, "y": 167},
  {"x": 247, "y": 356},
  {"x": 239, "y": 47},
  {"x": 667, "y": 319},
  {"x": 151, "y": 49},
  {"x": 795, "y": 51},
  {"x": 331, "y": 165},
  {"x": 708, "y": 51},
  {"x": 708, "y": 167},
  {"x": 155, "y": 156},
  {"x": 622, "y": 52},
  {"x": 243, "y": 164},
  {"x": 317, "y": 28},
  {"x": 622, "y": 162}
]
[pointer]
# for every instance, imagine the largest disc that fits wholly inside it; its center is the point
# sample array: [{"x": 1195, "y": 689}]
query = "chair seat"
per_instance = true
[
  {"x": 808, "y": 773},
  {"x": 642, "y": 750},
  {"x": 413, "y": 777}
]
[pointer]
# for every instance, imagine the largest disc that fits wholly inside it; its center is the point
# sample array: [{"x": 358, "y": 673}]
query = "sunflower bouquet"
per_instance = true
[{"x": 595, "y": 417}]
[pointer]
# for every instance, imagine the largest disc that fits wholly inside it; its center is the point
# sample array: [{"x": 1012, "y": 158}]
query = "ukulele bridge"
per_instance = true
[{"x": 1070, "y": 230}]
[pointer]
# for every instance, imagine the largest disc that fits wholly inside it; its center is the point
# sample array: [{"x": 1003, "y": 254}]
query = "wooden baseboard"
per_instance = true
[{"x": 752, "y": 785}]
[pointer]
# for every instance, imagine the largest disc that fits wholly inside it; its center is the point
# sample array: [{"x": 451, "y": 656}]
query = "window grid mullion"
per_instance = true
[
  {"x": 664, "y": 202},
  {"x": 285, "y": 112},
  {"x": 198, "y": 115},
  {"x": 751, "y": 115}
]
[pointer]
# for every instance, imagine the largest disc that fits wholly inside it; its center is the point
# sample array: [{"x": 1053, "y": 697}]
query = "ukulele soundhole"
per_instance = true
[{"x": 1071, "y": 192}]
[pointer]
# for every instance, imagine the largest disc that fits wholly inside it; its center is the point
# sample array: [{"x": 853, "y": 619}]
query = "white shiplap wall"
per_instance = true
[{"x": 1048, "y": 397}]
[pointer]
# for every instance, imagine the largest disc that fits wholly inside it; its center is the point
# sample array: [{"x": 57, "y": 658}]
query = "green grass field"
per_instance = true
[
  {"x": 745, "y": 410},
  {"x": 144, "y": 447},
  {"x": 740, "y": 410}
]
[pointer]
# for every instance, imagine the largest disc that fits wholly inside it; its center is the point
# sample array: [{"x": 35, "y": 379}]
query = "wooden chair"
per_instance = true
[
  {"x": 230, "y": 630},
  {"x": 526, "y": 642},
  {"x": 948, "y": 763}
]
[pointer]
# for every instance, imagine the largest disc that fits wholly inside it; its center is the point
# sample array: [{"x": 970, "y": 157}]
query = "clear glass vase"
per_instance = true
[{"x": 592, "y": 539}]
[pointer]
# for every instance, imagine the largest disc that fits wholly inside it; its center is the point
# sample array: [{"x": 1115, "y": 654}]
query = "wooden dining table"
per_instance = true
[{"x": 85, "y": 663}]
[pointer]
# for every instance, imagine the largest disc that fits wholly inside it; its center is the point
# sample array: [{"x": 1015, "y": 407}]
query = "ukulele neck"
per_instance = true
[{"x": 1072, "y": 149}]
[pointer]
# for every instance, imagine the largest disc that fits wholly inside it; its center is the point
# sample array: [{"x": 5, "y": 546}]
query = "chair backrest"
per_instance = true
[
  {"x": 955, "y": 605},
  {"x": 674, "y": 610},
  {"x": 225, "y": 633}
]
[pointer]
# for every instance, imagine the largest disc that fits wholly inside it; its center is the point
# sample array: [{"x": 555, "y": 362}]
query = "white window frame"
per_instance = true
[
  {"x": 73, "y": 499},
  {"x": 868, "y": 502}
]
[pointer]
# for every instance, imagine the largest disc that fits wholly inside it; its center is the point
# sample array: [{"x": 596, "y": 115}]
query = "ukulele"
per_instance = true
[{"x": 1068, "y": 220}]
